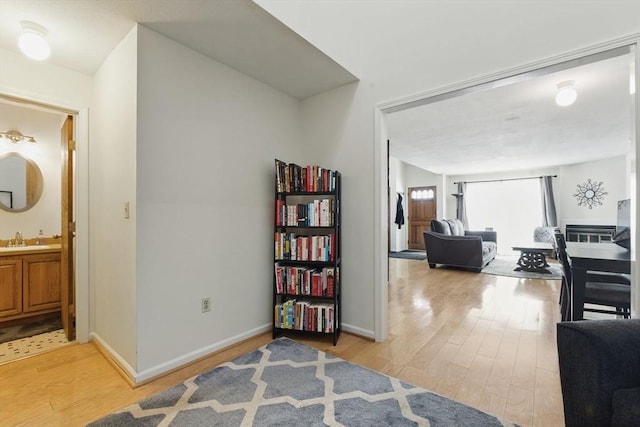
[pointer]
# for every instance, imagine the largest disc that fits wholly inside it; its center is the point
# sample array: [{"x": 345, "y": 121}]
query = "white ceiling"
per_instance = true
[
  {"x": 238, "y": 33},
  {"x": 512, "y": 127},
  {"x": 519, "y": 126}
]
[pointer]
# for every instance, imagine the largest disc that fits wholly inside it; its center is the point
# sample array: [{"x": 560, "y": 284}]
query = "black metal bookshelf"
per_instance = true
[{"x": 307, "y": 287}]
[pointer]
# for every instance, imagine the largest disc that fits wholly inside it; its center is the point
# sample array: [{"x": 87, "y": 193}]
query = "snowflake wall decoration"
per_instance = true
[{"x": 590, "y": 194}]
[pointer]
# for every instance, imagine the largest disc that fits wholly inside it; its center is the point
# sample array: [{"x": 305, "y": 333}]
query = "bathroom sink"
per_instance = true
[{"x": 29, "y": 248}]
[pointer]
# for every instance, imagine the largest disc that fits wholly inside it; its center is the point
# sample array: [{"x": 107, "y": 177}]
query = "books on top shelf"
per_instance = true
[
  {"x": 317, "y": 213},
  {"x": 305, "y": 316},
  {"x": 294, "y": 247},
  {"x": 294, "y": 280},
  {"x": 291, "y": 178}
]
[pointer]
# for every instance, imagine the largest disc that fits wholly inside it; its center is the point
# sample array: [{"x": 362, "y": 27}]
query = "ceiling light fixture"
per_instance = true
[
  {"x": 566, "y": 94},
  {"x": 32, "y": 41},
  {"x": 16, "y": 136}
]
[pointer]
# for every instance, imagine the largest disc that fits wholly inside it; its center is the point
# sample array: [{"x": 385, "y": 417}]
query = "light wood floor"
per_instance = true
[{"x": 487, "y": 341}]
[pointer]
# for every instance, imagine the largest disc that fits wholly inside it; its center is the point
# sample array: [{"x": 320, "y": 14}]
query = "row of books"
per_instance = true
[
  {"x": 290, "y": 246},
  {"x": 320, "y": 282},
  {"x": 291, "y": 178},
  {"x": 318, "y": 213},
  {"x": 305, "y": 316}
]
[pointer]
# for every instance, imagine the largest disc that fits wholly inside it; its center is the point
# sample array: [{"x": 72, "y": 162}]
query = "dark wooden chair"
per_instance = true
[{"x": 601, "y": 289}]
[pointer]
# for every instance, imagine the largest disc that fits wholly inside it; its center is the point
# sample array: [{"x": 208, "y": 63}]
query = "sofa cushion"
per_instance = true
[
  {"x": 441, "y": 227},
  {"x": 626, "y": 407},
  {"x": 545, "y": 234},
  {"x": 457, "y": 229},
  {"x": 488, "y": 248}
]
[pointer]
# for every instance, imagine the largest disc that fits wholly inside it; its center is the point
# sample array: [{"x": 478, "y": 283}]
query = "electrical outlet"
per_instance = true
[{"x": 206, "y": 304}]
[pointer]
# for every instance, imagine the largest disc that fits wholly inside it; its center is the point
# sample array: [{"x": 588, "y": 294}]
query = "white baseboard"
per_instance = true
[
  {"x": 358, "y": 331},
  {"x": 139, "y": 377},
  {"x": 126, "y": 369}
]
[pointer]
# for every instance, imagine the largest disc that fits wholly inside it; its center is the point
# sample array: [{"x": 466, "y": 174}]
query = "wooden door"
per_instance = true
[
  {"x": 422, "y": 209},
  {"x": 67, "y": 282}
]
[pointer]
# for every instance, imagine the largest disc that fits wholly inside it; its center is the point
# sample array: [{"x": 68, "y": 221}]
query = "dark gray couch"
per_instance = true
[
  {"x": 448, "y": 243},
  {"x": 600, "y": 372}
]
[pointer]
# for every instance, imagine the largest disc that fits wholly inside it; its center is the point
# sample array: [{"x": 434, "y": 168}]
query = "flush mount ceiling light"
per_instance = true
[
  {"x": 32, "y": 41},
  {"x": 16, "y": 136},
  {"x": 566, "y": 94}
]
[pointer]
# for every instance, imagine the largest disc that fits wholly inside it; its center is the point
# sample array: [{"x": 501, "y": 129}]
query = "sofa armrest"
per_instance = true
[
  {"x": 464, "y": 251},
  {"x": 596, "y": 358},
  {"x": 487, "y": 236}
]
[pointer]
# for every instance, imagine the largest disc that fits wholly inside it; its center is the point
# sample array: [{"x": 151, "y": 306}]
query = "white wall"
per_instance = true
[
  {"x": 207, "y": 137},
  {"x": 43, "y": 82},
  {"x": 398, "y": 236},
  {"x": 45, "y": 215},
  {"x": 611, "y": 172},
  {"x": 113, "y": 182},
  {"x": 403, "y": 48}
]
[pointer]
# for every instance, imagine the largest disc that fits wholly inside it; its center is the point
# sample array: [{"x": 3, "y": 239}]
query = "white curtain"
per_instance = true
[{"x": 511, "y": 208}]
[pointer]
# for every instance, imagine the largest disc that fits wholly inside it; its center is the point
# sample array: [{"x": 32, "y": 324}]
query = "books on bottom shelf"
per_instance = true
[
  {"x": 305, "y": 280},
  {"x": 305, "y": 316}
]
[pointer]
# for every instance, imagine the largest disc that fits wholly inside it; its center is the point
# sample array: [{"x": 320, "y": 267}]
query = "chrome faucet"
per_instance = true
[{"x": 18, "y": 241}]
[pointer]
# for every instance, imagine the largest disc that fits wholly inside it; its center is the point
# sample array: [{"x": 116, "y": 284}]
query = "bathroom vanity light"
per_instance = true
[
  {"x": 566, "y": 94},
  {"x": 15, "y": 136},
  {"x": 32, "y": 41}
]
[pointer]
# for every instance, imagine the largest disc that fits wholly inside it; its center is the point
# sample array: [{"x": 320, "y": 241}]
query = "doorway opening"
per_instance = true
[
  {"x": 37, "y": 262},
  {"x": 384, "y": 131}
]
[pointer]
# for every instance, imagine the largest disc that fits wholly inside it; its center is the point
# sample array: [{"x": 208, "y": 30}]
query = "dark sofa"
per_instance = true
[
  {"x": 600, "y": 372},
  {"x": 448, "y": 243}
]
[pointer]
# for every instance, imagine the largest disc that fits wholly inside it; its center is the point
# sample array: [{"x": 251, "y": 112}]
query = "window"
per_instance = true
[
  {"x": 422, "y": 194},
  {"x": 512, "y": 208}
]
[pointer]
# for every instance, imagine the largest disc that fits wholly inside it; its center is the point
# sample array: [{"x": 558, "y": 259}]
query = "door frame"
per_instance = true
[
  {"x": 80, "y": 196},
  {"x": 381, "y": 326}
]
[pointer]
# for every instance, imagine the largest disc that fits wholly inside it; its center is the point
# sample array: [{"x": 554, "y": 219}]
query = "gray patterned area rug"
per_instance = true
[
  {"x": 504, "y": 265},
  {"x": 409, "y": 254},
  {"x": 285, "y": 383}
]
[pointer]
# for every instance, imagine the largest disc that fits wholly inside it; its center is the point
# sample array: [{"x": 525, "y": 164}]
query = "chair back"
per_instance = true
[{"x": 561, "y": 248}]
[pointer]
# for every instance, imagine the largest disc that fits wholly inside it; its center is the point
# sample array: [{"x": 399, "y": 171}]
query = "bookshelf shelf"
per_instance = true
[{"x": 306, "y": 281}]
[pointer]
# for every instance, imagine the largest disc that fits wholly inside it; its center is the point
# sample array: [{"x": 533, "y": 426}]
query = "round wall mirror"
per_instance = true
[{"x": 20, "y": 182}]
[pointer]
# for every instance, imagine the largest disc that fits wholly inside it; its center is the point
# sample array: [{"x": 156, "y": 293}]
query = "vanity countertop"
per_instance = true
[{"x": 31, "y": 249}]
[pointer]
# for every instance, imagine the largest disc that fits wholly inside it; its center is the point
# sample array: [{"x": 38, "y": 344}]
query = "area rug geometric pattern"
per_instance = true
[{"x": 285, "y": 383}]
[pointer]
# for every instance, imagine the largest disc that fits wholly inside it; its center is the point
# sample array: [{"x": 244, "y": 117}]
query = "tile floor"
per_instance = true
[{"x": 25, "y": 347}]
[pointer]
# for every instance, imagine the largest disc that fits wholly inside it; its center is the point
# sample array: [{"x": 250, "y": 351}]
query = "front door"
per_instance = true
[{"x": 422, "y": 209}]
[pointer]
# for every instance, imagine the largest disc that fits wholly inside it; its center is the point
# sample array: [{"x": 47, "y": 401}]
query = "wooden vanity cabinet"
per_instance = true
[
  {"x": 10, "y": 287},
  {"x": 41, "y": 282},
  {"x": 29, "y": 285}
]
